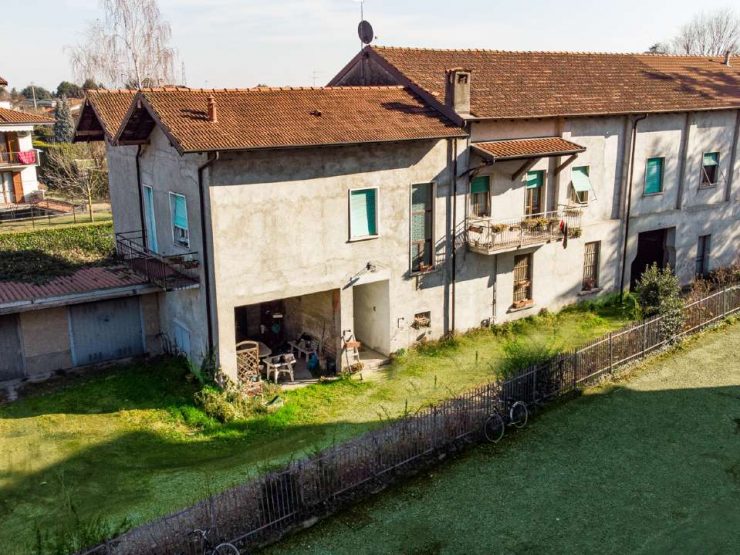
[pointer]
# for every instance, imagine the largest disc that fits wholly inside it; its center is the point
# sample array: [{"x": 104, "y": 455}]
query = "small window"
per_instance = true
[
  {"x": 522, "y": 280},
  {"x": 591, "y": 266},
  {"x": 179, "y": 216},
  {"x": 422, "y": 320},
  {"x": 654, "y": 176},
  {"x": 363, "y": 213},
  {"x": 533, "y": 194},
  {"x": 710, "y": 169},
  {"x": 480, "y": 195},
  {"x": 581, "y": 185},
  {"x": 702, "y": 255},
  {"x": 422, "y": 222}
]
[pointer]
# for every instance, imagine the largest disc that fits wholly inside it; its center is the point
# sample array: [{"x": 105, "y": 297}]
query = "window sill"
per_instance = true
[
  {"x": 360, "y": 239},
  {"x": 644, "y": 195},
  {"x": 415, "y": 273},
  {"x": 512, "y": 308},
  {"x": 587, "y": 292},
  {"x": 708, "y": 186}
]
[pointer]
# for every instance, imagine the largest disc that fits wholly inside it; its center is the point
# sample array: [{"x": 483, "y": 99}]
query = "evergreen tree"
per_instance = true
[{"x": 64, "y": 128}]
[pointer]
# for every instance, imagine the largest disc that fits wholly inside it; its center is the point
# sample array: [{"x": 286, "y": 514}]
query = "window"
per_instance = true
[
  {"x": 702, "y": 255},
  {"x": 422, "y": 221},
  {"x": 591, "y": 266},
  {"x": 533, "y": 195},
  {"x": 480, "y": 195},
  {"x": 710, "y": 169},
  {"x": 179, "y": 216},
  {"x": 581, "y": 185},
  {"x": 150, "y": 223},
  {"x": 654, "y": 176},
  {"x": 522, "y": 280},
  {"x": 422, "y": 320},
  {"x": 363, "y": 213}
]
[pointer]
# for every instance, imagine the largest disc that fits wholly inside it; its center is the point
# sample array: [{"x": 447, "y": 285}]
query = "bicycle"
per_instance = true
[
  {"x": 494, "y": 427},
  {"x": 208, "y": 547}
]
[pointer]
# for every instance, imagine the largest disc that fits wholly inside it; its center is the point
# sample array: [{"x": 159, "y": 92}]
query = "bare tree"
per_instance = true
[
  {"x": 76, "y": 173},
  {"x": 709, "y": 34},
  {"x": 130, "y": 45}
]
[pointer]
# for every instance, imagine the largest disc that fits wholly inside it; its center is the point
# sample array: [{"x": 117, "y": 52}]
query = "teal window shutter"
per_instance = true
[
  {"x": 179, "y": 208},
  {"x": 654, "y": 176},
  {"x": 711, "y": 159},
  {"x": 363, "y": 213},
  {"x": 579, "y": 177},
  {"x": 480, "y": 184},
  {"x": 535, "y": 179}
]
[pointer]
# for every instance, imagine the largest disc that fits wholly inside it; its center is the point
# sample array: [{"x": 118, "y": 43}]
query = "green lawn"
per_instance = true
[
  {"x": 648, "y": 465},
  {"x": 131, "y": 444}
]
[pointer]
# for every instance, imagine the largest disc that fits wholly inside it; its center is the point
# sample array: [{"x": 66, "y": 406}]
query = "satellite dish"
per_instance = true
[{"x": 365, "y": 30}]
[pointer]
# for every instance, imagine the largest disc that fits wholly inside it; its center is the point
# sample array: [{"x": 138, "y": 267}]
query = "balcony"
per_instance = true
[
  {"x": 22, "y": 158},
  {"x": 487, "y": 236},
  {"x": 171, "y": 273}
]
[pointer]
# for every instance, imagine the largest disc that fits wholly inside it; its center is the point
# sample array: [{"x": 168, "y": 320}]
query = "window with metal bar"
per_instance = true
[
  {"x": 702, "y": 255},
  {"x": 591, "y": 265},
  {"x": 480, "y": 194},
  {"x": 709, "y": 169},
  {"x": 522, "y": 279},
  {"x": 422, "y": 220}
]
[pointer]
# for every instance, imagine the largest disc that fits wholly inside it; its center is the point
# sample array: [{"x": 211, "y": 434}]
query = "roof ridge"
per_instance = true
[
  {"x": 274, "y": 89},
  {"x": 572, "y": 52}
]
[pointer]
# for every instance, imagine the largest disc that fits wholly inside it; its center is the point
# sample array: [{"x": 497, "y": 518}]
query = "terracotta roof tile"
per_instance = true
[
  {"x": 545, "y": 84},
  {"x": 3, "y": 82},
  {"x": 525, "y": 148},
  {"x": 84, "y": 280},
  {"x": 109, "y": 107},
  {"x": 16, "y": 117},
  {"x": 292, "y": 117}
]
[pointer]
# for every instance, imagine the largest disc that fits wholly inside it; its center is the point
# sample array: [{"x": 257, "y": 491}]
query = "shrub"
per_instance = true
[
  {"x": 519, "y": 355},
  {"x": 659, "y": 294}
]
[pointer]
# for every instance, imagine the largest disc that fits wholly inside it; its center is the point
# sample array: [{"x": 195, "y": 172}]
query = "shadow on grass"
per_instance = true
[{"x": 622, "y": 444}]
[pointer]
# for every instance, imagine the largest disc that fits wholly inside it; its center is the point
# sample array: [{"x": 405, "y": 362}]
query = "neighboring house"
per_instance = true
[
  {"x": 18, "y": 158},
  {"x": 428, "y": 192}
]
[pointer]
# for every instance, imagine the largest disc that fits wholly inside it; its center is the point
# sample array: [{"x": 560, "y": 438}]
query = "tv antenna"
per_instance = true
[{"x": 364, "y": 29}]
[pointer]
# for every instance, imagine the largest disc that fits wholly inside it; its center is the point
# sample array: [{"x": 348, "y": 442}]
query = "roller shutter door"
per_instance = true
[
  {"x": 106, "y": 330},
  {"x": 11, "y": 357}
]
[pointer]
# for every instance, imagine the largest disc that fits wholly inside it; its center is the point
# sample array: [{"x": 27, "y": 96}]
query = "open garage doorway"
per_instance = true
[{"x": 372, "y": 316}]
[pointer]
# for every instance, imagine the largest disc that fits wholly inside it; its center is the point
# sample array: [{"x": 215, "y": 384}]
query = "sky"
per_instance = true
[{"x": 241, "y": 43}]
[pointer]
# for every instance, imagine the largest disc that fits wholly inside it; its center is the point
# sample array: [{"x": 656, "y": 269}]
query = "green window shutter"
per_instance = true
[
  {"x": 179, "y": 208},
  {"x": 711, "y": 159},
  {"x": 580, "y": 179},
  {"x": 535, "y": 179},
  {"x": 654, "y": 176},
  {"x": 480, "y": 184},
  {"x": 363, "y": 209}
]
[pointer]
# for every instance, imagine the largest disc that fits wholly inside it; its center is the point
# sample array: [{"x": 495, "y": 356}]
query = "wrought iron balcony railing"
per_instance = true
[
  {"x": 23, "y": 158},
  {"x": 487, "y": 236},
  {"x": 171, "y": 273}
]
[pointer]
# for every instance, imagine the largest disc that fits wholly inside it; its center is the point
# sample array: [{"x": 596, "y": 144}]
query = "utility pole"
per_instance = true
[{"x": 33, "y": 93}]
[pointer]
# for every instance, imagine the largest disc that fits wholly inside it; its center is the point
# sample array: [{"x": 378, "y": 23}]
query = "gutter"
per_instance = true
[
  {"x": 212, "y": 158},
  {"x": 454, "y": 227},
  {"x": 629, "y": 201}
]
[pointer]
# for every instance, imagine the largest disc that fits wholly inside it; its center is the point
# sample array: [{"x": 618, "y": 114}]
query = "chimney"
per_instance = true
[
  {"x": 212, "y": 114},
  {"x": 728, "y": 54},
  {"x": 458, "y": 90}
]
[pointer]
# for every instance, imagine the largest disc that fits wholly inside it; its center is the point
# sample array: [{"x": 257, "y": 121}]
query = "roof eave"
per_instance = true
[{"x": 603, "y": 114}]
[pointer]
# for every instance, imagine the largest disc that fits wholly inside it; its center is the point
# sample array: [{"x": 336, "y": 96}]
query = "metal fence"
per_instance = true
[{"x": 266, "y": 507}]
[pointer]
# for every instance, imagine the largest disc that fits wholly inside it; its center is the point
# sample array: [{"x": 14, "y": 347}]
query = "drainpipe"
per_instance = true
[
  {"x": 635, "y": 121},
  {"x": 204, "y": 249},
  {"x": 141, "y": 198},
  {"x": 454, "y": 229}
]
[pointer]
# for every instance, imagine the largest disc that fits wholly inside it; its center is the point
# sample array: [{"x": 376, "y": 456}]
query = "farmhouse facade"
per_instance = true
[{"x": 423, "y": 192}]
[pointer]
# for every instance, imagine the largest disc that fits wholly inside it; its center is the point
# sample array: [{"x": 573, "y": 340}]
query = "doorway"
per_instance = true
[
  {"x": 372, "y": 318},
  {"x": 651, "y": 249}
]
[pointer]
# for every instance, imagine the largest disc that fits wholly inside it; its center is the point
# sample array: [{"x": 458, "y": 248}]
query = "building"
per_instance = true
[
  {"x": 423, "y": 192},
  {"x": 18, "y": 158}
]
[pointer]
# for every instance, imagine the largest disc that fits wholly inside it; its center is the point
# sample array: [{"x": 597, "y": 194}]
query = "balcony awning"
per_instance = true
[{"x": 519, "y": 149}]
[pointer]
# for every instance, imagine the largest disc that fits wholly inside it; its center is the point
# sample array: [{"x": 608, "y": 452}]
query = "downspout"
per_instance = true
[
  {"x": 629, "y": 202},
  {"x": 454, "y": 231},
  {"x": 204, "y": 241},
  {"x": 733, "y": 158},
  {"x": 141, "y": 198}
]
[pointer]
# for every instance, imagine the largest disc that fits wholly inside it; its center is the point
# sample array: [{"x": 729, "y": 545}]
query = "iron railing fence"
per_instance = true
[
  {"x": 484, "y": 234},
  {"x": 171, "y": 273},
  {"x": 264, "y": 508}
]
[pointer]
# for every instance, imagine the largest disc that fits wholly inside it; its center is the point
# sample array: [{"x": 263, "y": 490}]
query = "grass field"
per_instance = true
[
  {"x": 130, "y": 444},
  {"x": 647, "y": 465}
]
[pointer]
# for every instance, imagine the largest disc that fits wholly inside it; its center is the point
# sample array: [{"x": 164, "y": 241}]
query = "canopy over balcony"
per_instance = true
[{"x": 529, "y": 150}]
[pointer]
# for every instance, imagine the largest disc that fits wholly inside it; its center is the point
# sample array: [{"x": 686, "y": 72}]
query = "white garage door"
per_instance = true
[
  {"x": 11, "y": 358},
  {"x": 106, "y": 330}
]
